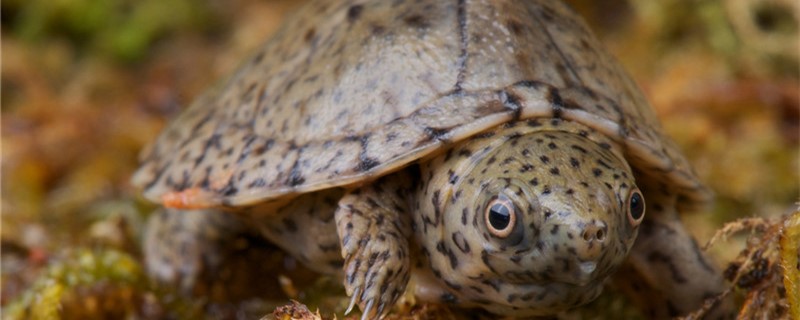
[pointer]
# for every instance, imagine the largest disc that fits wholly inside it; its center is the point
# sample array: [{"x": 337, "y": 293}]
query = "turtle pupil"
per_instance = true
[
  {"x": 637, "y": 207},
  {"x": 499, "y": 216}
]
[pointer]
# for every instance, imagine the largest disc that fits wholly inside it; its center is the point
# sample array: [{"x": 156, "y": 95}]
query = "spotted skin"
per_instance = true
[
  {"x": 568, "y": 183},
  {"x": 304, "y": 227},
  {"x": 359, "y": 112}
]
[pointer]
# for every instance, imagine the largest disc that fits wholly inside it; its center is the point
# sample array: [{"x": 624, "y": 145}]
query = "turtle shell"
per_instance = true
[{"x": 347, "y": 92}]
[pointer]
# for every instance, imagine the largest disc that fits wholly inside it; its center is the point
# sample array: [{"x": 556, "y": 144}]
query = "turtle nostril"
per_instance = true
[
  {"x": 594, "y": 233},
  {"x": 587, "y": 235}
]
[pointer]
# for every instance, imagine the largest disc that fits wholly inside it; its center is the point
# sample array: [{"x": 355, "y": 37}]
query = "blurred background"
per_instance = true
[{"x": 87, "y": 83}]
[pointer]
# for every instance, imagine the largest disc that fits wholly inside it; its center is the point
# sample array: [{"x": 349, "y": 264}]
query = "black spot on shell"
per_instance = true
[
  {"x": 367, "y": 164},
  {"x": 436, "y": 133},
  {"x": 514, "y": 26},
  {"x": 512, "y": 102},
  {"x": 229, "y": 189},
  {"x": 354, "y": 12},
  {"x": 416, "y": 21},
  {"x": 295, "y": 177},
  {"x": 257, "y": 183},
  {"x": 309, "y": 34},
  {"x": 259, "y": 57},
  {"x": 463, "y": 35},
  {"x": 529, "y": 84}
]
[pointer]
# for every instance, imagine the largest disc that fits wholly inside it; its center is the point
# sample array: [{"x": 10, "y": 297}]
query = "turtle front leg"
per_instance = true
[
  {"x": 374, "y": 226},
  {"x": 671, "y": 275}
]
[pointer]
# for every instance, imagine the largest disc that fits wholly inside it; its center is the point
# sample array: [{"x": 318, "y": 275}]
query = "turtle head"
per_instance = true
[{"x": 531, "y": 219}]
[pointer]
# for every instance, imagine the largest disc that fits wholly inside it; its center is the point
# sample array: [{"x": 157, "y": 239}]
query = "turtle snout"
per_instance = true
[
  {"x": 584, "y": 258},
  {"x": 590, "y": 245},
  {"x": 595, "y": 232}
]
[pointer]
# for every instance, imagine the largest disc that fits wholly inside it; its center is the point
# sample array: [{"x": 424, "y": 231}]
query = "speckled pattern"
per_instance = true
[
  {"x": 573, "y": 228},
  {"x": 480, "y": 153},
  {"x": 349, "y": 90}
]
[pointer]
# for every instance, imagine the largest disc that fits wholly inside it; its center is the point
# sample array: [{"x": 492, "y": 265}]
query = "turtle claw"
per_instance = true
[
  {"x": 366, "y": 314},
  {"x": 373, "y": 280},
  {"x": 353, "y": 300},
  {"x": 376, "y": 259}
]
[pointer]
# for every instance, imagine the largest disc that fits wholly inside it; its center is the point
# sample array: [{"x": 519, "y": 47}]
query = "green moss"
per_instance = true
[
  {"x": 123, "y": 30},
  {"x": 80, "y": 268}
]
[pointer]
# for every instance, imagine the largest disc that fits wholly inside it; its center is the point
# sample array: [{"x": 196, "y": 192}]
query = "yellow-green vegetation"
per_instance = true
[
  {"x": 121, "y": 29},
  {"x": 87, "y": 83},
  {"x": 96, "y": 284},
  {"x": 63, "y": 280},
  {"x": 790, "y": 250}
]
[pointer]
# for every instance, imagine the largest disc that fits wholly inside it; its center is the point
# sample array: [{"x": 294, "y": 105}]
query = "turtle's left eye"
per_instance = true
[
  {"x": 635, "y": 207},
  {"x": 500, "y": 217}
]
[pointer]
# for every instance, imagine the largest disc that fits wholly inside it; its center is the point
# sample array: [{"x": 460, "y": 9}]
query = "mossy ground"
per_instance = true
[{"x": 86, "y": 84}]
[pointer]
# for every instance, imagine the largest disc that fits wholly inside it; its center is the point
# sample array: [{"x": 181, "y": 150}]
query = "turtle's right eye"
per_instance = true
[{"x": 501, "y": 218}]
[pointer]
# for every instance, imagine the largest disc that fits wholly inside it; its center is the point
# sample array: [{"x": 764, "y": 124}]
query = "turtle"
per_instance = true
[{"x": 491, "y": 154}]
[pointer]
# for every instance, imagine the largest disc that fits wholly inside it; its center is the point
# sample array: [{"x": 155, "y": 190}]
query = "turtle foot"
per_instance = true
[{"x": 375, "y": 250}]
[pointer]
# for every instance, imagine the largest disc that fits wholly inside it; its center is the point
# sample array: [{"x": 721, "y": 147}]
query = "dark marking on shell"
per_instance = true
[
  {"x": 354, "y": 12},
  {"x": 557, "y": 103},
  {"x": 295, "y": 177},
  {"x": 365, "y": 163},
  {"x": 512, "y": 102},
  {"x": 436, "y": 133},
  {"x": 416, "y": 21}
]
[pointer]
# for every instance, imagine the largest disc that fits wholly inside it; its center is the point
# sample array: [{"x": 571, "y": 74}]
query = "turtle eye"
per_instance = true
[
  {"x": 635, "y": 207},
  {"x": 500, "y": 216}
]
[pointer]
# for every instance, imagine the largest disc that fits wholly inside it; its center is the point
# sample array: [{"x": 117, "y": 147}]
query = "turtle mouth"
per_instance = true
[{"x": 587, "y": 268}]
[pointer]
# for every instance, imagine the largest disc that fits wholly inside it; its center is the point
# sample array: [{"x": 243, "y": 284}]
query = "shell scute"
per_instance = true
[{"x": 350, "y": 91}]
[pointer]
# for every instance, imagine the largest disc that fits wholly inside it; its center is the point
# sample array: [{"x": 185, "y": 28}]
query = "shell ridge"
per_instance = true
[
  {"x": 574, "y": 80},
  {"x": 463, "y": 35},
  {"x": 256, "y": 136}
]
